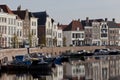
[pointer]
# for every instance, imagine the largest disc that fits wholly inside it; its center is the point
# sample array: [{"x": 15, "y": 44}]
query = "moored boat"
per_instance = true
[{"x": 20, "y": 62}]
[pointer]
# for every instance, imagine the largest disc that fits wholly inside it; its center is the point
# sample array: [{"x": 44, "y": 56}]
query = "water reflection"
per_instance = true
[{"x": 25, "y": 76}]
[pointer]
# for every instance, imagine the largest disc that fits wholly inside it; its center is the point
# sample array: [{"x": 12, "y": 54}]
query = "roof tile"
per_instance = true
[
  {"x": 74, "y": 25},
  {"x": 6, "y": 9}
]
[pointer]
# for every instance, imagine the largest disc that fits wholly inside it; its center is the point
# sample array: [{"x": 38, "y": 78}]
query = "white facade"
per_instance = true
[
  {"x": 33, "y": 30},
  {"x": 88, "y": 35},
  {"x": 48, "y": 32},
  {"x": 53, "y": 34},
  {"x": 7, "y": 28},
  {"x": 75, "y": 70},
  {"x": 104, "y": 33},
  {"x": 75, "y": 38},
  {"x": 100, "y": 33},
  {"x": 59, "y": 37},
  {"x": 58, "y": 73},
  {"x": 19, "y": 33},
  {"x": 119, "y": 39},
  {"x": 96, "y": 71}
]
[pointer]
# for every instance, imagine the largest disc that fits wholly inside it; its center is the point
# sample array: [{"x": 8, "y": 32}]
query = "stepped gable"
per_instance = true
[
  {"x": 6, "y": 9},
  {"x": 22, "y": 13},
  {"x": 73, "y": 26},
  {"x": 41, "y": 17}
]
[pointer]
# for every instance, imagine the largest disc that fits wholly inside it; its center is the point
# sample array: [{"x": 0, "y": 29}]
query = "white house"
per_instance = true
[
  {"x": 57, "y": 73},
  {"x": 29, "y": 27},
  {"x": 59, "y": 37},
  {"x": 19, "y": 32},
  {"x": 104, "y": 33},
  {"x": 7, "y": 26},
  {"x": 74, "y": 34},
  {"x": 33, "y": 30},
  {"x": 74, "y": 70},
  {"x": 47, "y": 30}
]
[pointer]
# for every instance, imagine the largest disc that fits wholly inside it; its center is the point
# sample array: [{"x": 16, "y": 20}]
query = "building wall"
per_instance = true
[
  {"x": 105, "y": 70},
  {"x": 119, "y": 37},
  {"x": 41, "y": 35},
  {"x": 59, "y": 37},
  {"x": 33, "y": 31},
  {"x": 88, "y": 35},
  {"x": 48, "y": 29},
  {"x": 96, "y": 70},
  {"x": 59, "y": 72},
  {"x": 104, "y": 33},
  {"x": 96, "y": 33},
  {"x": 68, "y": 35},
  {"x": 19, "y": 32},
  {"x": 114, "y": 36},
  {"x": 7, "y": 28},
  {"x": 54, "y": 33},
  {"x": 78, "y": 38},
  {"x": 26, "y": 26}
]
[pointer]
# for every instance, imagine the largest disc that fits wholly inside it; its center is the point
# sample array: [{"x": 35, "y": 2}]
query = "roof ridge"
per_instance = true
[{"x": 6, "y": 9}]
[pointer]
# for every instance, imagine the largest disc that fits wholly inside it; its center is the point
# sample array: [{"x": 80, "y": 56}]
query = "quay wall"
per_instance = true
[{"x": 53, "y": 50}]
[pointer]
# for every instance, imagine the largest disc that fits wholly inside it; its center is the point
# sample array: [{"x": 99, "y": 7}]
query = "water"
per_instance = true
[{"x": 25, "y": 76}]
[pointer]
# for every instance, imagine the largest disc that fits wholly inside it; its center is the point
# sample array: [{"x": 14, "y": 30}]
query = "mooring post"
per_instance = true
[{"x": 28, "y": 51}]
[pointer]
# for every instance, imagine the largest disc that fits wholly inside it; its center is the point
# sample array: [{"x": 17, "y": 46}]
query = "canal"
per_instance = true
[{"x": 25, "y": 76}]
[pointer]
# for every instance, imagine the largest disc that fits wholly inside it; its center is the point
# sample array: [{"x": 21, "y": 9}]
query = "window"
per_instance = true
[
  {"x": 20, "y": 33},
  {"x": 74, "y": 71},
  {"x": 73, "y": 35},
  {"x": 48, "y": 24},
  {"x": 103, "y": 35}
]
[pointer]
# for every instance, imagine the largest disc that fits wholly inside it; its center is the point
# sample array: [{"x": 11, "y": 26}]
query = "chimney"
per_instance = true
[
  {"x": 113, "y": 19},
  {"x": 106, "y": 19},
  {"x": 87, "y": 18},
  {"x": 19, "y": 8},
  {"x": 79, "y": 20}
]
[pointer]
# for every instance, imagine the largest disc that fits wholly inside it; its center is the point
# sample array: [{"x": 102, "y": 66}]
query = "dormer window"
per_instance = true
[
  {"x": 78, "y": 29},
  {"x": 1, "y": 10}
]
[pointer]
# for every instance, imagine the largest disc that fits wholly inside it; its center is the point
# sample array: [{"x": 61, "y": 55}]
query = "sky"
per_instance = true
[{"x": 64, "y": 11}]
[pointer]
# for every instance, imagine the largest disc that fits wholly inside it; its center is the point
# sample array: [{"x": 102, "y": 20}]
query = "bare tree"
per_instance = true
[
  {"x": 64, "y": 41},
  {"x": 14, "y": 41}
]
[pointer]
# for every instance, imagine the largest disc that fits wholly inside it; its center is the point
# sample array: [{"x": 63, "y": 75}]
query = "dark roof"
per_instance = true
[
  {"x": 89, "y": 22},
  {"x": 20, "y": 13},
  {"x": 62, "y": 26},
  {"x": 118, "y": 24},
  {"x": 31, "y": 14},
  {"x": 112, "y": 24},
  {"x": 41, "y": 17},
  {"x": 6, "y": 9},
  {"x": 73, "y": 26}
]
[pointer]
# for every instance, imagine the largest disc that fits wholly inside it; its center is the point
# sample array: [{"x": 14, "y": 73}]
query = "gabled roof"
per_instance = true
[
  {"x": 62, "y": 26},
  {"x": 73, "y": 26},
  {"x": 41, "y": 17},
  {"x": 6, "y": 9},
  {"x": 118, "y": 24},
  {"x": 31, "y": 14},
  {"x": 20, "y": 13},
  {"x": 89, "y": 22},
  {"x": 112, "y": 24}
]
